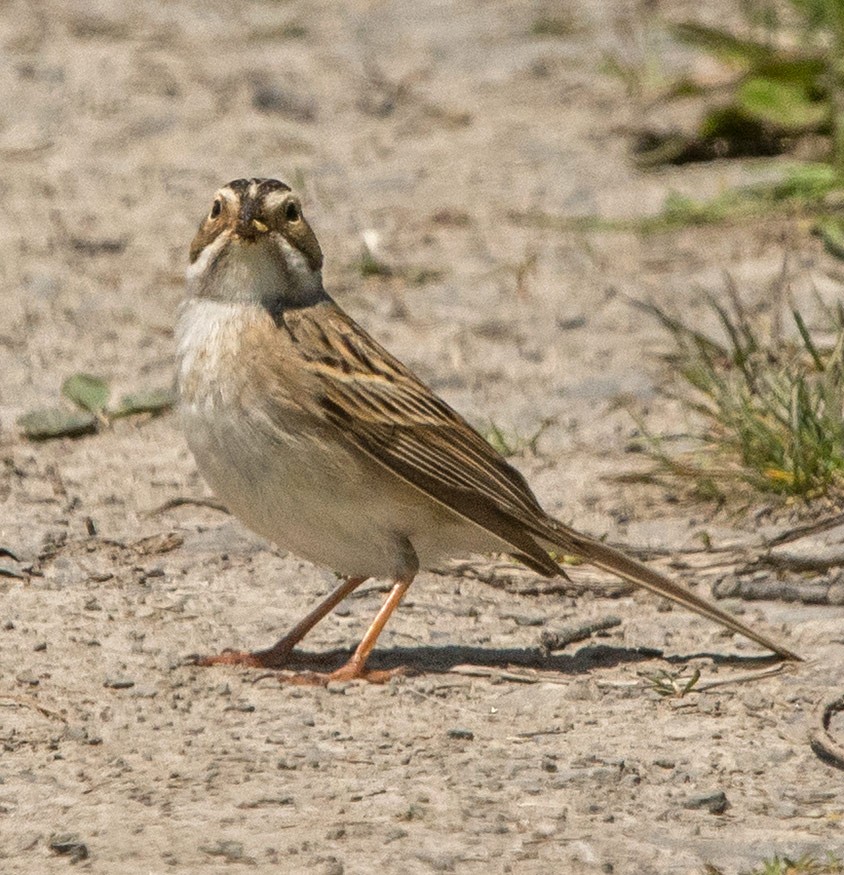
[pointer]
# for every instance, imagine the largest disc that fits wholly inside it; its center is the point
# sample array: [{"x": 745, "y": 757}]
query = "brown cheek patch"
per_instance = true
[
  {"x": 303, "y": 238},
  {"x": 205, "y": 235}
]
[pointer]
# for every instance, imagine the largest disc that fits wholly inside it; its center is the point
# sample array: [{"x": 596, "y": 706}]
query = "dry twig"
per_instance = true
[
  {"x": 823, "y": 744},
  {"x": 181, "y": 500},
  {"x": 32, "y": 704}
]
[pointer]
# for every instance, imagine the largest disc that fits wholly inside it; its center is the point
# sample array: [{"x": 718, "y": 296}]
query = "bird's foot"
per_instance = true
[
  {"x": 280, "y": 658},
  {"x": 273, "y": 657}
]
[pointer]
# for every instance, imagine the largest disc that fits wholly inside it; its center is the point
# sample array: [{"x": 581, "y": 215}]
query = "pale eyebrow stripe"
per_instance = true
[{"x": 274, "y": 199}]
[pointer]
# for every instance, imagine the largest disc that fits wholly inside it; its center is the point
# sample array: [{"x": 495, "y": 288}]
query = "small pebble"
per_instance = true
[
  {"x": 835, "y": 594},
  {"x": 338, "y": 687},
  {"x": 785, "y": 810},
  {"x": 715, "y": 802},
  {"x": 69, "y": 844},
  {"x": 527, "y": 619},
  {"x": 231, "y": 852},
  {"x": 118, "y": 683},
  {"x": 465, "y": 734},
  {"x": 74, "y": 733}
]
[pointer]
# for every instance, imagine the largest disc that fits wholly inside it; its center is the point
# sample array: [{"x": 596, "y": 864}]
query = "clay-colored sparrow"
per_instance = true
[{"x": 318, "y": 439}]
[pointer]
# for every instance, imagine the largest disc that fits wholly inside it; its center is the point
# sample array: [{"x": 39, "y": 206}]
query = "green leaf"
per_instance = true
[
  {"x": 42, "y": 425},
  {"x": 721, "y": 42},
  {"x": 831, "y": 231},
  {"x": 731, "y": 124},
  {"x": 804, "y": 70},
  {"x": 90, "y": 393},
  {"x": 808, "y": 182},
  {"x": 498, "y": 440},
  {"x": 146, "y": 401},
  {"x": 781, "y": 104}
]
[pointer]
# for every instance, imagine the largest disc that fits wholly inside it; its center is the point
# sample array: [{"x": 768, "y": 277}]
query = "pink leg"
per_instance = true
[{"x": 355, "y": 668}]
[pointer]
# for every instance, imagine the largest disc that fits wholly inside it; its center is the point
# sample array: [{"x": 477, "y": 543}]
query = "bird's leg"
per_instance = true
[
  {"x": 355, "y": 668},
  {"x": 277, "y": 655}
]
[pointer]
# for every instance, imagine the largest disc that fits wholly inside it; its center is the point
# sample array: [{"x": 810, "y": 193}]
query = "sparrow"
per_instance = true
[{"x": 325, "y": 444}]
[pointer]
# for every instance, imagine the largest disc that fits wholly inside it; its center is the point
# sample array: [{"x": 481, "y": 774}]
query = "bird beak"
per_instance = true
[{"x": 249, "y": 226}]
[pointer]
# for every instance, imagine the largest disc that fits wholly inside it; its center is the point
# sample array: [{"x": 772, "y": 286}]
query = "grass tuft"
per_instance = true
[
  {"x": 808, "y": 864},
  {"x": 515, "y": 444},
  {"x": 805, "y": 190},
  {"x": 672, "y": 684},
  {"x": 771, "y": 404}
]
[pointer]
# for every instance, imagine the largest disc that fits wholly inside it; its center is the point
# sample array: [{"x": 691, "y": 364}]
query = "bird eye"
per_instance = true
[
  {"x": 291, "y": 212},
  {"x": 216, "y": 209}
]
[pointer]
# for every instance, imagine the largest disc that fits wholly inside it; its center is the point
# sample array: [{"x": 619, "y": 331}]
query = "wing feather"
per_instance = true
[
  {"x": 384, "y": 409},
  {"x": 370, "y": 394}
]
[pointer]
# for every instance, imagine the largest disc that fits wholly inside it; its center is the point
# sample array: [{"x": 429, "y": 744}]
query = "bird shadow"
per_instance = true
[{"x": 428, "y": 660}]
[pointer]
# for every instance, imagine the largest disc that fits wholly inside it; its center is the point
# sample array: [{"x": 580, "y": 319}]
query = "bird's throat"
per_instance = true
[{"x": 266, "y": 270}]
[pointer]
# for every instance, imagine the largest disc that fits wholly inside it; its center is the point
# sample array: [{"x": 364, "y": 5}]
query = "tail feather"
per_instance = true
[{"x": 622, "y": 565}]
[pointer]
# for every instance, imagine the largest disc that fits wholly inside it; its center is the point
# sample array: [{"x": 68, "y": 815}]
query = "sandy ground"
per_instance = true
[{"x": 433, "y": 124}]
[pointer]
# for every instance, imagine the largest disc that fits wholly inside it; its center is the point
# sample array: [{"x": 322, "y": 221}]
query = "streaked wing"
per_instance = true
[{"x": 381, "y": 405}]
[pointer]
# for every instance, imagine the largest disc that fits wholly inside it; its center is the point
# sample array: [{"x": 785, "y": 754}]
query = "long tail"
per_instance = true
[{"x": 622, "y": 565}]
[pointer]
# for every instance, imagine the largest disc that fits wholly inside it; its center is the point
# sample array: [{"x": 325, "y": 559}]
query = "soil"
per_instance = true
[{"x": 449, "y": 130}]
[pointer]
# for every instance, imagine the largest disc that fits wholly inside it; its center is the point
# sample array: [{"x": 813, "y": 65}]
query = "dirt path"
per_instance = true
[{"x": 432, "y": 125}]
